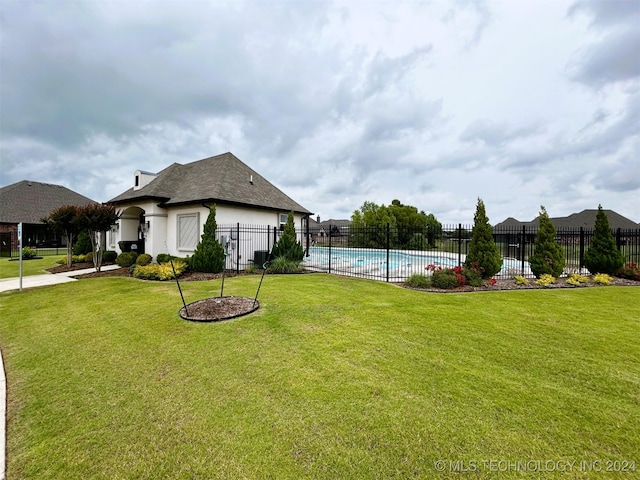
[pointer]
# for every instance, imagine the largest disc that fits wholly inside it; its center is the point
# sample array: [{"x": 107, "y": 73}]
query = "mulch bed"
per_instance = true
[
  {"x": 499, "y": 285},
  {"x": 218, "y": 308}
]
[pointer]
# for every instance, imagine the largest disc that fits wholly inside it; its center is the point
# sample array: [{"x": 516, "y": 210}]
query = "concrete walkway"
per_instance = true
[{"x": 30, "y": 281}]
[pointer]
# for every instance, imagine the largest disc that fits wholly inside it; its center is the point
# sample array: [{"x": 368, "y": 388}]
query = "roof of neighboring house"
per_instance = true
[
  {"x": 220, "y": 179},
  {"x": 29, "y": 202},
  {"x": 585, "y": 218}
]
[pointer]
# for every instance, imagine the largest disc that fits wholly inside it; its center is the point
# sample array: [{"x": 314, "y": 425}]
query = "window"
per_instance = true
[
  {"x": 188, "y": 231},
  {"x": 283, "y": 220}
]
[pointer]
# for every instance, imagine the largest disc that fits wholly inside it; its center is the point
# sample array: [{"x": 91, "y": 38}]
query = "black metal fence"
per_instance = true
[{"x": 392, "y": 254}]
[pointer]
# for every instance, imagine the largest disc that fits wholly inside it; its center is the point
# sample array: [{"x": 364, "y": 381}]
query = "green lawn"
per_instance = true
[
  {"x": 332, "y": 378},
  {"x": 38, "y": 266}
]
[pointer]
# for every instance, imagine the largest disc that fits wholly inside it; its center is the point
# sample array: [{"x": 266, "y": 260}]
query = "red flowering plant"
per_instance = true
[{"x": 629, "y": 271}]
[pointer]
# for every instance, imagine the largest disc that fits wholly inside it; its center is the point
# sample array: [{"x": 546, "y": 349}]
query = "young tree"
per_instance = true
[
  {"x": 603, "y": 256},
  {"x": 65, "y": 221},
  {"x": 96, "y": 219},
  {"x": 483, "y": 252},
  {"x": 287, "y": 245},
  {"x": 209, "y": 255},
  {"x": 548, "y": 256}
]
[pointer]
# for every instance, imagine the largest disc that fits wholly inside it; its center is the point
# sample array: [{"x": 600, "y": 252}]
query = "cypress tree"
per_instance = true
[
  {"x": 483, "y": 251},
  {"x": 288, "y": 246},
  {"x": 209, "y": 254},
  {"x": 603, "y": 256},
  {"x": 548, "y": 256}
]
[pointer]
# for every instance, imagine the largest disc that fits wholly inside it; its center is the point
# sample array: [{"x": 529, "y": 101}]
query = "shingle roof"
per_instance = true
[
  {"x": 29, "y": 201},
  {"x": 220, "y": 179},
  {"x": 585, "y": 218}
]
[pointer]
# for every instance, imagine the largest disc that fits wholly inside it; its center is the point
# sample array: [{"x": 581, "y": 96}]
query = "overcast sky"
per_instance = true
[{"x": 519, "y": 102}]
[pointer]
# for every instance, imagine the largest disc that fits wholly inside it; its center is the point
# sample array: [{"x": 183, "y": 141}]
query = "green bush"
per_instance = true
[
  {"x": 548, "y": 256},
  {"x": 162, "y": 271},
  {"x": 283, "y": 265},
  {"x": 82, "y": 244},
  {"x": 126, "y": 259},
  {"x": 417, "y": 280},
  {"x": 78, "y": 259},
  {"x": 483, "y": 252},
  {"x": 288, "y": 246},
  {"x": 603, "y": 256},
  {"x": 444, "y": 279},
  {"x": 109, "y": 256},
  {"x": 163, "y": 257},
  {"x": 473, "y": 275},
  {"x": 28, "y": 253},
  {"x": 144, "y": 259},
  {"x": 88, "y": 257},
  {"x": 209, "y": 255}
]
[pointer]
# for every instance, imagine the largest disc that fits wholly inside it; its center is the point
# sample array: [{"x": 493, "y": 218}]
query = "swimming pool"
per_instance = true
[{"x": 397, "y": 265}]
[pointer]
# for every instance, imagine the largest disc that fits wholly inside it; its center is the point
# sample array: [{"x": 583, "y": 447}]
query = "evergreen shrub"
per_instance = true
[{"x": 603, "y": 255}]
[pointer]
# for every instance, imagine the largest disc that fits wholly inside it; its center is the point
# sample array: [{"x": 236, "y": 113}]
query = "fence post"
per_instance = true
[
  {"x": 459, "y": 244},
  {"x": 581, "y": 247},
  {"x": 523, "y": 239},
  {"x": 238, "y": 248},
  {"x": 619, "y": 238},
  {"x": 387, "y": 242},
  {"x": 330, "y": 230}
]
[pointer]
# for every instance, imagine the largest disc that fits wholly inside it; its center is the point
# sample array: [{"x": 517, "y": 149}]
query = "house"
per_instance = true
[
  {"x": 27, "y": 202},
  {"x": 585, "y": 219},
  {"x": 165, "y": 212}
]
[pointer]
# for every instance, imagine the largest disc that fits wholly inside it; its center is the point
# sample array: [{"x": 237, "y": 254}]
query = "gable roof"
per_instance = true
[
  {"x": 29, "y": 201},
  {"x": 585, "y": 218},
  {"x": 219, "y": 179}
]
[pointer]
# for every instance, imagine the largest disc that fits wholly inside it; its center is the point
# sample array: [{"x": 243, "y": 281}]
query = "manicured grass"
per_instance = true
[
  {"x": 37, "y": 266},
  {"x": 331, "y": 378}
]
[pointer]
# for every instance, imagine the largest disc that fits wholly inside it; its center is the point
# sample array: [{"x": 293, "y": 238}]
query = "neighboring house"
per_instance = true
[
  {"x": 320, "y": 230},
  {"x": 27, "y": 202},
  {"x": 585, "y": 219},
  {"x": 165, "y": 212}
]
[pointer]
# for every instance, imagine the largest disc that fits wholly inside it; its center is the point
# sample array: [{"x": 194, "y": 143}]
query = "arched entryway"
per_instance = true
[{"x": 133, "y": 229}]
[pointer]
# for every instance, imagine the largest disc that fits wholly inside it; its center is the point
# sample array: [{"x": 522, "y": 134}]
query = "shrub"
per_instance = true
[
  {"x": 483, "y": 251},
  {"x": 28, "y": 253},
  {"x": 602, "y": 279},
  {"x": 88, "y": 257},
  {"x": 209, "y": 255},
  {"x": 287, "y": 246},
  {"x": 252, "y": 268},
  {"x": 577, "y": 280},
  {"x": 473, "y": 275},
  {"x": 418, "y": 280},
  {"x": 162, "y": 271},
  {"x": 603, "y": 256},
  {"x": 77, "y": 259},
  {"x": 144, "y": 259},
  {"x": 163, "y": 257},
  {"x": 109, "y": 256},
  {"x": 548, "y": 256},
  {"x": 520, "y": 280},
  {"x": 283, "y": 265},
  {"x": 629, "y": 271},
  {"x": 82, "y": 244},
  {"x": 126, "y": 259},
  {"x": 545, "y": 280},
  {"x": 444, "y": 279}
]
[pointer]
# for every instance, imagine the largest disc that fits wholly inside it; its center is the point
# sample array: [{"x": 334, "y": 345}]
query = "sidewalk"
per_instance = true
[{"x": 31, "y": 281}]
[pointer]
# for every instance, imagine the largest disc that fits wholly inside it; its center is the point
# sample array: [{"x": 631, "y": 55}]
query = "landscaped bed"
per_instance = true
[{"x": 332, "y": 377}]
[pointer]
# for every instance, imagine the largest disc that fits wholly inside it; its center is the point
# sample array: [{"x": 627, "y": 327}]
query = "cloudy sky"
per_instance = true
[{"x": 519, "y": 102}]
